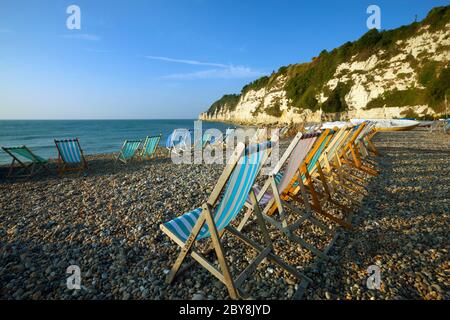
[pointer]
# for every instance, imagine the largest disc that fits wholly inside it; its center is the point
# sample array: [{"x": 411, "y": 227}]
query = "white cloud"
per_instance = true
[
  {"x": 82, "y": 36},
  {"x": 184, "y": 61},
  {"x": 230, "y": 72},
  {"x": 221, "y": 70}
]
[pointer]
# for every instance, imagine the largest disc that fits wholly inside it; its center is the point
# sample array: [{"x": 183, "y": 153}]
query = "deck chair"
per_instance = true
[
  {"x": 28, "y": 162},
  {"x": 208, "y": 139},
  {"x": 284, "y": 130},
  {"x": 333, "y": 166},
  {"x": 229, "y": 132},
  {"x": 128, "y": 151},
  {"x": 351, "y": 156},
  {"x": 70, "y": 156},
  {"x": 178, "y": 141},
  {"x": 214, "y": 218},
  {"x": 274, "y": 202},
  {"x": 149, "y": 147},
  {"x": 336, "y": 182},
  {"x": 364, "y": 143}
]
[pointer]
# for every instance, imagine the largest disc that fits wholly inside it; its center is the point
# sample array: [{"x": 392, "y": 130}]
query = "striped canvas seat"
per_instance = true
[
  {"x": 128, "y": 150},
  {"x": 150, "y": 145},
  {"x": 70, "y": 156},
  {"x": 179, "y": 140},
  {"x": 284, "y": 178},
  {"x": 207, "y": 138},
  {"x": 25, "y": 153},
  {"x": 69, "y": 151},
  {"x": 233, "y": 199},
  {"x": 222, "y": 207}
]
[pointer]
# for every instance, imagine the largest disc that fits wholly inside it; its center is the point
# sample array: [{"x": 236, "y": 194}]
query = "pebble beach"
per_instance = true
[{"x": 107, "y": 223}]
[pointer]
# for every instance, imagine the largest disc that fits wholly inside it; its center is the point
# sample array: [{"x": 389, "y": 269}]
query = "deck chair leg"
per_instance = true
[
  {"x": 220, "y": 253},
  {"x": 186, "y": 248},
  {"x": 11, "y": 167}
]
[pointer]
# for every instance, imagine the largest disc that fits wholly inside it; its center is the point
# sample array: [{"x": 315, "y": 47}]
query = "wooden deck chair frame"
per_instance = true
[
  {"x": 121, "y": 157},
  {"x": 338, "y": 181},
  {"x": 280, "y": 203},
  {"x": 144, "y": 153},
  {"x": 328, "y": 182},
  {"x": 36, "y": 163},
  {"x": 306, "y": 192},
  {"x": 351, "y": 156},
  {"x": 224, "y": 275},
  {"x": 64, "y": 167},
  {"x": 333, "y": 165}
]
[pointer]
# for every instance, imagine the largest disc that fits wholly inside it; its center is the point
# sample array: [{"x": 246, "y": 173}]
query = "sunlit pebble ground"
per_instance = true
[{"x": 107, "y": 223}]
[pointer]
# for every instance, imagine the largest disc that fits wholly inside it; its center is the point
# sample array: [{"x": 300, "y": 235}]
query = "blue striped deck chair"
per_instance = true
[
  {"x": 207, "y": 139},
  {"x": 129, "y": 150},
  {"x": 70, "y": 156},
  {"x": 149, "y": 147},
  {"x": 211, "y": 221},
  {"x": 179, "y": 141},
  {"x": 27, "y": 162},
  {"x": 228, "y": 135}
]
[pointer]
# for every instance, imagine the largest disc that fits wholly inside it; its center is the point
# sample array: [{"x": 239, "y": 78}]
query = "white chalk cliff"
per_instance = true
[{"x": 396, "y": 72}]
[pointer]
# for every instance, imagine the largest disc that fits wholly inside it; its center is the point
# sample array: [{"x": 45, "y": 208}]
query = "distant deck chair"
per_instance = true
[
  {"x": 283, "y": 131},
  {"x": 364, "y": 142},
  {"x": 23, "y": 155},
  {"x": 333, "y": 165},
  {"x": 208, "y": 139},
  {"x": 214, "y": 218},
  {"x": 178, "y": 141},
  {"x": 128, "y": 151},
  {"x": 351, "y": 156},
  {"x": 150, "y": 145},
  {"x": 70, "y": 156}
]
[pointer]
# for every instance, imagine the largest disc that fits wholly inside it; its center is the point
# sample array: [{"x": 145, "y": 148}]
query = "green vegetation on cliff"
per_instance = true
[{"x": 229, "y": 101}]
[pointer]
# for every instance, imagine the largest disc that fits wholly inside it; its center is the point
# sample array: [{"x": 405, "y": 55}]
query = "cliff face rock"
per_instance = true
[{"x": 390, "y": 74}]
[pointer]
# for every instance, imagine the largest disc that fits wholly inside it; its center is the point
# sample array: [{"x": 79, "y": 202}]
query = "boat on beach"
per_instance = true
[{"x": 390, "y": 124}]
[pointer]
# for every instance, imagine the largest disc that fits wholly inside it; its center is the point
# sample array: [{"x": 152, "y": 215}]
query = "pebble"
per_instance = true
[{"x": 107, "y": 223}]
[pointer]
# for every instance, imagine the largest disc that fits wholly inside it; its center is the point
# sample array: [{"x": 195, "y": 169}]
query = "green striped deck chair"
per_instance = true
[
  {"x": 211, "y": 221},
  {"x": 27, "y": 162},
  {"x": 128, "y": 150},
  {"x": 149, "y": 147},
  {"x": 70, "y": 156}
]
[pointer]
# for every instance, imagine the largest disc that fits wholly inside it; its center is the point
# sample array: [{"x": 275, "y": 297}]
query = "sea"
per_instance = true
[{"x": 95, "y": 136}]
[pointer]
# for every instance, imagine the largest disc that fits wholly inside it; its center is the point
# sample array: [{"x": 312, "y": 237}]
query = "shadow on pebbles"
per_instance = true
[{"x": 107, "y": 223}]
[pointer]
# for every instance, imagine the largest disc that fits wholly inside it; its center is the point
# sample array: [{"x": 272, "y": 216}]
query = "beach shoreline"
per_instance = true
[{"x": 107, "y": 222}]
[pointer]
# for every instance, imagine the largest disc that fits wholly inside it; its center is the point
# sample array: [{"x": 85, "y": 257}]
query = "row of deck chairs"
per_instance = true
[
  {"x": 180, "y": 140},
  {"x": 132, "y": 149},
  {"x": 71, "y": 158},
  {"x": 311, "y": 183},
  {"x": 25, "y": 163}
]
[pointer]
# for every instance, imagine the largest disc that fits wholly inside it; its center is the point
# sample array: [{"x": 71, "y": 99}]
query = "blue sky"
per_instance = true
[{"x": 158, "y": 59}]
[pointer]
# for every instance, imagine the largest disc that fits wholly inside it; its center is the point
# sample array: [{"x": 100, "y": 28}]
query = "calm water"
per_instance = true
[{"x": 96, "y": 136}]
